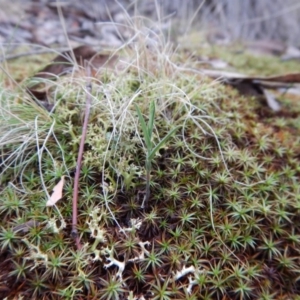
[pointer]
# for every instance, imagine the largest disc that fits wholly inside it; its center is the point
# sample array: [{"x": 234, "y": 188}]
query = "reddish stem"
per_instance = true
[{"x": 74, "y": 232}]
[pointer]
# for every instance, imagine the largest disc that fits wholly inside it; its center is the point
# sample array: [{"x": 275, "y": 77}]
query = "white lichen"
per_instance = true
[
  {"x": 183, "y": 272},
  {"x": 192, "y": 280},
  {"x": 97, "y": 254},
  {"x": 135, "y": 225},
  {"x": 39, "y": 257},
  {"x": 52, "y": 224},
  {"x": 97, "y": 232},
  {"x": 114, "y": 262},
  {"x": 133, "y": 297},
  {"x": 144, "y": 251}
]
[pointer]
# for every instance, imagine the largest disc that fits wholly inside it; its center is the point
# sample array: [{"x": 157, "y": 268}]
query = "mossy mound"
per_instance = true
[{"x": 222, "y": 220}]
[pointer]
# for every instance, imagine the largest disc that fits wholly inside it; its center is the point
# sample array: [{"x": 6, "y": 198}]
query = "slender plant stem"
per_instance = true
[
  {"x": 151, "y": 149},
  {"x": 74, "y": 232},
  {"x": 148, "y": 170}
]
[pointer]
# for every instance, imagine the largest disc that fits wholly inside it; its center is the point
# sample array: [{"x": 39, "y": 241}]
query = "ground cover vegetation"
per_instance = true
[{"x": 212, "y": 213}]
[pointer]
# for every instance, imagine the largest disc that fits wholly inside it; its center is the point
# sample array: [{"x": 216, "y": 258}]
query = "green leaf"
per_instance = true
[
  {"x": 151, "y": 118},
  {"x": 144, "y": 128},
  {"x": 161, "y": 143}
]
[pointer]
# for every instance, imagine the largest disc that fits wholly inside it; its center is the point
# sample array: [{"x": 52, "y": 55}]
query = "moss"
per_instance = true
[
  {"x": 223, "y": 214},
  {"x": 23, "y": 67},
  {"x": 236, "y": 55}
]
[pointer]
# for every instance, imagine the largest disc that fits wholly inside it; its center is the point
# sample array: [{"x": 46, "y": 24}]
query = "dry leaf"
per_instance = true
[
  {"x": 57, "y": 192},
  {"x": 271, "y": 100},
  {"x": 25, "y": 227},
  {"x": 218, "y": 63},
  {"x": 256, "y": 85},
  {"x": 224, "y": 75},
  {"x": 64, "y": 64},
  {"x": 291, "y": 53},
  {"x": 295, "y": 90}
]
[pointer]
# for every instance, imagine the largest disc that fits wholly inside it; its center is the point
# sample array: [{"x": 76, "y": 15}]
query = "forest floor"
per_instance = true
[{"x": 188, "y": 186}]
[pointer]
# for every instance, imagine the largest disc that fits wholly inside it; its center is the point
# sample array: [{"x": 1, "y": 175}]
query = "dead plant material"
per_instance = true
[
  {"x": 64, "y": 64},
  {"x": 280, "y": 79},
  {"x": 25, "y": 227},
  {"x": 257, "y": 85},
  {"x": 57, "y": 192},
  {"x": 74, "y": 232}
]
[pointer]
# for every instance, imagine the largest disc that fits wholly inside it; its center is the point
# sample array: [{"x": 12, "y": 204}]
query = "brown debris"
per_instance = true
[
  {"x": 64, "y": 64},
  {"x": 25, "y": 227},
  {"x": 256, "y": 85}
]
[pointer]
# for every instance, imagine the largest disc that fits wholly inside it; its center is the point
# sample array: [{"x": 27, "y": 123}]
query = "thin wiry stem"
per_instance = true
[
  {"x": 148, "y": 170},
  {"x": 74, "y": 232}
]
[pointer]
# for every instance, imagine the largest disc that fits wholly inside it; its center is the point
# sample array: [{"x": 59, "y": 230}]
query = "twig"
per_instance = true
[{"x": 74, "y": 232}]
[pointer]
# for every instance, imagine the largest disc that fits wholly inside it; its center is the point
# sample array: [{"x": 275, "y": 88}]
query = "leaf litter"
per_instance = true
[{"x": 57, "y": 193}]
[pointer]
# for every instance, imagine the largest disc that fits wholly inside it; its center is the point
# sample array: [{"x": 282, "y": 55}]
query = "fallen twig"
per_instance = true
[{"x": 74, "y": 232}]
